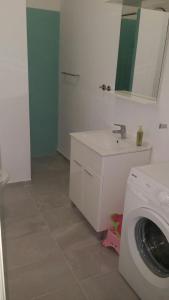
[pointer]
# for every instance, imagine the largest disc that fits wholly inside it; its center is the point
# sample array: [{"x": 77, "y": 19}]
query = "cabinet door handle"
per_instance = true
[
  {"x": 103, "y": 87},
  {"x": 109, "y": 88},
  {"x": 88, "y": 172},
  {"x": 77, "y": 163}
]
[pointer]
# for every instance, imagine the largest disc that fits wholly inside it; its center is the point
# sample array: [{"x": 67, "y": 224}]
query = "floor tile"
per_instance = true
[
  {"x": 39, "y": 164},
  {"x": 16, "y": 190},
  {"x": 61, "y": 219},
  {"x": 77, "y": 236},
  {"x": 23, "y": 227},
  {"x": 71, "y": 292},
  {"x": 45, "y": 185},
  {"x": 63, "y": 182},
  {"x": 59, "y": 164},
  {"x": 50, "y": 163},
  {"x": 91, "y": 260},
  {"x": 30, "y": 249},
  {"x": 51, "y": 200},
  {"x": 38, "y": 279},
  {"x": 108, "y": 287},
  {"x": 50, "y": 174},
  {"x": 52, "y": 252},
  {"x": 49, "y": 168},
  {"x": 19, "y": 205}
]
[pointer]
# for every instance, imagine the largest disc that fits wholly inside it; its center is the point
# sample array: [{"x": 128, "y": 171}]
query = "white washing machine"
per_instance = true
[{"x": 144, "y": 254}]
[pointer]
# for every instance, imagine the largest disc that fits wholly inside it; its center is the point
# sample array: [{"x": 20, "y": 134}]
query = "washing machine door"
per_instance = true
[{"x": 148, "y": 241}]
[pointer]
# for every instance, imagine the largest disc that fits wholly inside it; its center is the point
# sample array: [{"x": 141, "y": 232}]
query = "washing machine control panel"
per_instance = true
[
  {"x": 149, "y": 188},
  {"x": 156, "y": 194}
]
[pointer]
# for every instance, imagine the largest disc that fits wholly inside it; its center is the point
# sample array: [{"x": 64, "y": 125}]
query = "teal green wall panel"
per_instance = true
[
  {"x": 127, "y": 49},
  {"x": 43, "y": 61},
  {"x": 135, "y": 48}
]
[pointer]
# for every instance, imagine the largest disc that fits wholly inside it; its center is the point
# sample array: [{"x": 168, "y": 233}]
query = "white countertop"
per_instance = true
[{"x": 105, "y": 143}]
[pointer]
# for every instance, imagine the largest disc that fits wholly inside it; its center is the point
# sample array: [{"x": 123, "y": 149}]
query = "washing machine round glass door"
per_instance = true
[
  {"x": 148, "y": 238},
  {"x": 153, "y": 246}
]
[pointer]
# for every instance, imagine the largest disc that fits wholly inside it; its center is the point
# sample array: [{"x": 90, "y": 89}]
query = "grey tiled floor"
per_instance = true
[{"x": 51, "y": 252}]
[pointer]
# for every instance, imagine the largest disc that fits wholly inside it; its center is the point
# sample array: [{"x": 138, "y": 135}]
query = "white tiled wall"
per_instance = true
[
  {"x": 14, "y": 102},
  {"x": 100, "y": 112}
]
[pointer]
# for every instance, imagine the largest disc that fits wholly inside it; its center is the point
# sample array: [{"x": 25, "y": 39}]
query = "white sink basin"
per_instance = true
[{"x": 106, "y": 143}]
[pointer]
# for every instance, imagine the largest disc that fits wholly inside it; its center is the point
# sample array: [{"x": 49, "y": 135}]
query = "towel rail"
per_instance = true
[{"x": 70, "y": 74}]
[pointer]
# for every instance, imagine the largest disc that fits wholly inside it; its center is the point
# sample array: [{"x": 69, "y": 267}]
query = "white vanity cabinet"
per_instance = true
[
  {"x": 98, "y": 177},
  {"x": 85, "y": 180}
]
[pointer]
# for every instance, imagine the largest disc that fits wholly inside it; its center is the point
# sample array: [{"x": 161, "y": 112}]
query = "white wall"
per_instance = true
[
  {"x": 88, "y": 48},
  {"x": 91, "y": 111},
  {"x": 150, "y": 50},
  {"x": 44, "y": 4},
  {"x": 14, "y": 100}
]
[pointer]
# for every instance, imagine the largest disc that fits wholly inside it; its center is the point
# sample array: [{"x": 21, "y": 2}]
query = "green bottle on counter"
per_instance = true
[{"x": 139, "y": 140}]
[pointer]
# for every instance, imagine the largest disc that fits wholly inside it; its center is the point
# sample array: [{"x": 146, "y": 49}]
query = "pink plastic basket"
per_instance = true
[{"x": 112, "y": 240}]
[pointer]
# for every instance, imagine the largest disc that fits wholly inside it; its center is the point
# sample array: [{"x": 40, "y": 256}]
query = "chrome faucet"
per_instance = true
[{"x": 122, "y": 131}]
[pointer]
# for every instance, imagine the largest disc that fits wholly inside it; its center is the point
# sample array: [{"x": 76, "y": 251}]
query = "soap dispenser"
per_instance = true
[{"x": 139, "y": 139}]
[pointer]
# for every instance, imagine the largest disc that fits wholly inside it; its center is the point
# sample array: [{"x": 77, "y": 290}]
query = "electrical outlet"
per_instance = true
[{"x": 163, "y": 126}]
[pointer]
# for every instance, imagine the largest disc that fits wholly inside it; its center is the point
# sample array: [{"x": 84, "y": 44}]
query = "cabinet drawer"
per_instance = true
[{"x": 87, "y": 157}]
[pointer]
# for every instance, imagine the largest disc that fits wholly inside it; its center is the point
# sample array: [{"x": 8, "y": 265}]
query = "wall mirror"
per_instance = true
[{"x": 143, "y": 39}]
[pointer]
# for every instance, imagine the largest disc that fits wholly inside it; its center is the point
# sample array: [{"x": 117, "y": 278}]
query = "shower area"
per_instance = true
[{"x": 43, "y": 64}]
